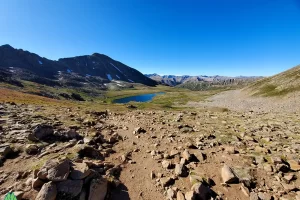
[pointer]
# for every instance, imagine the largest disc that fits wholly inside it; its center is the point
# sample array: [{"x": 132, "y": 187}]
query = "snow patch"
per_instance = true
[
  {"x": 40, "y": 62},
  {"x": 118, "y": 77},
  {"x": 131, "y": 80},
  {"x": 120, "y": 85},
  {"x": 69, "y": 71},
  {"x": 116, "y": 68},
  {"x": 11, "y": 69},
  {"x": 109, "y": 77}
]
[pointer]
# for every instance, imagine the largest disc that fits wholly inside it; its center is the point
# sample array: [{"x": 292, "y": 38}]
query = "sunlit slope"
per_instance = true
[{"x": 281, "y": 84}]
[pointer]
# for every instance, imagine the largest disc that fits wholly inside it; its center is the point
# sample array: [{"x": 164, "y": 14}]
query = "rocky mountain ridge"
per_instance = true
[
  {"x": 173, "y": 80},
  {"x": 77, "y": 71}
]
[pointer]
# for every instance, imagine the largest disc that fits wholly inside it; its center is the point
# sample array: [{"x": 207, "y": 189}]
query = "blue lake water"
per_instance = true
[{"x": 138, "y": 98}]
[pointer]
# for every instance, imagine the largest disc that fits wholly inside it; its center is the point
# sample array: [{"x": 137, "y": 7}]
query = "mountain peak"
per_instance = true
[
  {"x": 97, "y": 65},
  {"x": 7, "y": 46}
]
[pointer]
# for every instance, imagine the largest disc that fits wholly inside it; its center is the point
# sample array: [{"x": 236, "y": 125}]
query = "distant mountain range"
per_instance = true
[
  {"x": 173, "y": 80},
  {"x": 94, "y": 70}
]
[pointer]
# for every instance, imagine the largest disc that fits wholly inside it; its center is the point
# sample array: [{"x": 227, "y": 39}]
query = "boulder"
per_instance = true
[
  {"x": 174, "y": 152},
  {"x": 186, "y": 155},
  {"x": 170, "y": 194},
  {"x": 48, "y": 192},
  {"x": 139, "y": 130},
  {"x": 42, "y": 174},
  {"x": 195, "y": 177},
  {"x": 294, "y": 165},
  {"x": 244, "y": 175},
  {"x": 72, "y": 134},
  {"x": 264, "y": 196},
  {"x": 166, "y": 181},
  {"x": 228, "y": 175},
  {"x": 60, "y": 171},
  {"x": 245, "y": 190},
  {"x": 42, "y": 131},
  {"x": 5, "y": 150},
  {"x": 98, "y": 189},
  {"x": 259, "y": 149},
  {"x": 32, "y": 149},
  {"x": 181, "y": 170},
  {"x": 268, "y": 168},
  {"x": 79, "y": 171},
  {"x": 201, "y": 190},
  {"x": 180, "y": 196},
  {"x": 190, "y": 195},
  {"x": 283, "y": 168},
  {"x": 83, "y": 194},
  {"x": 37, "y": 183},
  {"x": 69, "y": 188},
  {"x": 19, "y": 194},
  {"x": 230, "y": 150},
  {"x": 253, "y": 196},
  {"x": 90, "y": 152},
  {"x": 166, "y": 164},
  {"x": 28, "y": 182},
  {"x": 114, "y": 138},
  {"x": 289, "y": 177}
]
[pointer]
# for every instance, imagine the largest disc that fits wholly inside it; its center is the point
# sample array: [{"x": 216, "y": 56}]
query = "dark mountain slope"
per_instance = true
[
  {"x": 105, "y": 67},
  {"x": 17, "y": 58},
  {"x": 24, "y": 64}
]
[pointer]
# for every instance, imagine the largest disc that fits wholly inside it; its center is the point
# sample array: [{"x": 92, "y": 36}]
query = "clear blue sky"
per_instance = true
[{"x": 194, "y": 37}]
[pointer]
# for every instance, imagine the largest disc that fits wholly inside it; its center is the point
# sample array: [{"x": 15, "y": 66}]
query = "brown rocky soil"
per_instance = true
[{"x": 234, "y": 153}]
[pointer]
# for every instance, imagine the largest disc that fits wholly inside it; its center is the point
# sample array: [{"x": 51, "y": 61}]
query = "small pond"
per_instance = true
[{"x": 138, "y": 98}]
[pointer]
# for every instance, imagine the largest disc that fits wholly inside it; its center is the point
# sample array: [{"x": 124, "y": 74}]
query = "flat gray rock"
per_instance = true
[{"x": 228, "y": 175}]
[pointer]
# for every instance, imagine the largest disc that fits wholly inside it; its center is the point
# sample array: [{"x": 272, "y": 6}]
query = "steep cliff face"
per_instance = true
[{"x": 31, "y": 66}]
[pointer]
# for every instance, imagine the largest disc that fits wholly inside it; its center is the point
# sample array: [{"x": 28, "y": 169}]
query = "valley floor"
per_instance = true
[{"x": 162, "y": 153}]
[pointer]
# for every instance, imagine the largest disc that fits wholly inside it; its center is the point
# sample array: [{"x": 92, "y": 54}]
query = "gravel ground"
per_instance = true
[{"x": 239, "y": 100}]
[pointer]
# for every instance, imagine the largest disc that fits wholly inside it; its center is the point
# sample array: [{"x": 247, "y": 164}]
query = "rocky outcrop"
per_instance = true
[
  {"x": 41, "y": 132},
  {"x": 63, "y": 179}
]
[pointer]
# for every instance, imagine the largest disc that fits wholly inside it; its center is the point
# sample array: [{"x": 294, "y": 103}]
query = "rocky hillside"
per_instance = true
[
  {"x": 200, "y": 82},
  {"x": 95, "y": 68},
  {"x": 72, "y": 153},
  {"x": 280, "y": 84}
]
